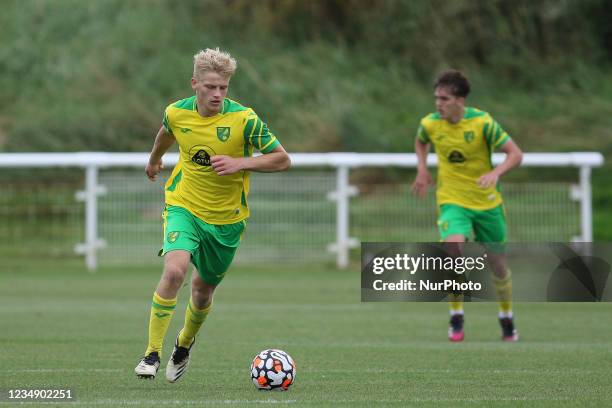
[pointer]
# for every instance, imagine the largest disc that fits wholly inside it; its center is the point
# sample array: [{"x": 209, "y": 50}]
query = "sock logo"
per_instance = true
[{"x": 161, "y": 314}]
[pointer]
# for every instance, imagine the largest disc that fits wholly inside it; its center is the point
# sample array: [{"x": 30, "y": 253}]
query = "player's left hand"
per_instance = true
[
  {"x": 488, "y": 180},
  {"x": 225, "y": 165}
]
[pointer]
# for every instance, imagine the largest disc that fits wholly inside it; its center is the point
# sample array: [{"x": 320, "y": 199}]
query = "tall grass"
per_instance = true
[{"x": 328, "y": 75}]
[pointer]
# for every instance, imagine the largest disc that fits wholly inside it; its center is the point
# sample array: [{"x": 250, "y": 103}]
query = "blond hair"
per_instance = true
[{"x": 213, "y": 60}]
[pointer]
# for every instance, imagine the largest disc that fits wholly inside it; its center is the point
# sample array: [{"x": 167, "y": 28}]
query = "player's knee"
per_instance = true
[
  {"x": 499, "y": 268},
  {"x": 453, "y": 245},
  {"x": 201, "y": 292},
  {"x": 174, "y": 274},
  {"x": 500, "y": 271},
  {"x": 201, "y": 297}
]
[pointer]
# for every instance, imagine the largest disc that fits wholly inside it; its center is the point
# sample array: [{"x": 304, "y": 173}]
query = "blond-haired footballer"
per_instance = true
[{"x": 206, "y": 200}]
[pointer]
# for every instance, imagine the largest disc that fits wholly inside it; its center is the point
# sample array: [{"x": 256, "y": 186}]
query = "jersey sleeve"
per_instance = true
[
  {"x": 257, "y": 134},
  {"x": 166, "y": 122},
  {"x": 494, "y": 134},
  {"x": 422, "y": 134}
]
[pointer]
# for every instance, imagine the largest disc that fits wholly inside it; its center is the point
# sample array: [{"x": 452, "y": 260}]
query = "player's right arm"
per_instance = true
[
  {"x": 163, "y": 141},
  {"x": 423, "y": 178}
]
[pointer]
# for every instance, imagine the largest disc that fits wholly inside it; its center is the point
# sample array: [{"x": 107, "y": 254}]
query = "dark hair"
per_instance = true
[{"x": 455, "y": 81}]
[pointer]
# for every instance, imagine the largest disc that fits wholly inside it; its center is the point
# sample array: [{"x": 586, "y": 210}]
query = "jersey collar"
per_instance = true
[{"x": 221, "y": 112}]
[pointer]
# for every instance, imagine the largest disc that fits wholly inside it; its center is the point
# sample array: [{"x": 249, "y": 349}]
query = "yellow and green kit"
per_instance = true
[{"x": 464, "y": 152}]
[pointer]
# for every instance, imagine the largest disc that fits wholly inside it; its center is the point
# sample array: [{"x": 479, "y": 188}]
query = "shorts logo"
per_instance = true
[
  {"x": 468, "y": 136},
  {"x": 443, "y": 225},
  {"x": 173, "y": 236},
  {"x": 223, "y": 133}
]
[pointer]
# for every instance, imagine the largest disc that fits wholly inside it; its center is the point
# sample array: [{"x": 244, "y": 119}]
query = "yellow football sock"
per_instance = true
[
  {"x": 161, "y": 314},
  {"x": 503, "y": 287},
  {"x": 455, "y": 303},
  {"x": 194, "y": 318}
]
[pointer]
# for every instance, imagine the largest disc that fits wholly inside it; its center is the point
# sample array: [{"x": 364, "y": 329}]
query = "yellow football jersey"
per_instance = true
[
  {"x": 194, "y": 185},
  {"x": 464, "y": 155}
]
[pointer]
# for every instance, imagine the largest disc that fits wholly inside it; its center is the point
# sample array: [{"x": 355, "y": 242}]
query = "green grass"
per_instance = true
[{"x": 64, "y": 327}]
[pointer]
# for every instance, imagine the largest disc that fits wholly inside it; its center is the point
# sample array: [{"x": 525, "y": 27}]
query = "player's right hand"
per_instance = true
[
  {"x": 421, "y": 183},
  {"x": 153, "y": 169}
]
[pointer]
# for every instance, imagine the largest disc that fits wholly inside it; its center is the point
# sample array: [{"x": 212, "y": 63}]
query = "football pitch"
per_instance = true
[{"x": 63, "y": 327}]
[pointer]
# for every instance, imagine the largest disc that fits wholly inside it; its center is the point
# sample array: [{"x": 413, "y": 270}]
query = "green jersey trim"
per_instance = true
[
  {"x": 258, "y": 128},
  {"x": 494, "y": 134},
  {"x": 243, "y": 199},
  {"x": 253, "y": 127},
  {"x": 490, "y": 130},
  {"x": 248, "y": 129},
  {"x": 230, "y": 106},
  {"x": 166, "y": 123},
  {"x": 423, "y": 135},
  {"x": 502, "y": 141},
  {"x": 176, "y": 180},
  {"x": 485, "y": 133},
  {"x": 187, "y": 103},
  {"x": 471, "y": 113},
  {"x": 273, "y": 144}
]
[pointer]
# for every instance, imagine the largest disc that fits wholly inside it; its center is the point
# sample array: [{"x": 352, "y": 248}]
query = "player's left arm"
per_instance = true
[
  {"x": 275, "y": 160},
  {"x": 256, "y": 135},
  {"x": 514, "y": 157}
]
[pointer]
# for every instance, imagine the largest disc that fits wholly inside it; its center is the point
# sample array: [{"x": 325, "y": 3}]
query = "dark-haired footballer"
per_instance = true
[{"x": 467, "y": 194}]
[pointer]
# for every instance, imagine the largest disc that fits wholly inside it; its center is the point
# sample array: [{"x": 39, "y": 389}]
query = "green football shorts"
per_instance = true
[
  {"x": 212, "y": 247},
  {"x": 487, "y": 225}
]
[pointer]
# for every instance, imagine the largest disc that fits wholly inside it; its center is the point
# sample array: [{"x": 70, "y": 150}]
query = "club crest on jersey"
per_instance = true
[
  {"x": 173, "y": 236},
  {"x": 223, "y": 133},
  {"x": 468, "y": 136}
]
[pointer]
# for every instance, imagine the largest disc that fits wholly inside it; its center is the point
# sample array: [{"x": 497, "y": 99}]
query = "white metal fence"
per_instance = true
[{"x": 307, "y": 214}]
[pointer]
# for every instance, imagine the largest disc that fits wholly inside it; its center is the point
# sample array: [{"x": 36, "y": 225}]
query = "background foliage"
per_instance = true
[{"x": 328, "y": 75}]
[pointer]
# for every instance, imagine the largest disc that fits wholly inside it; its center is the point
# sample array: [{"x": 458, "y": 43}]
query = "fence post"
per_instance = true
[
  {"x": 586, "y": 207},
  {"x": 90, "y": 197},
  {"x": 342, "y": 194}
]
